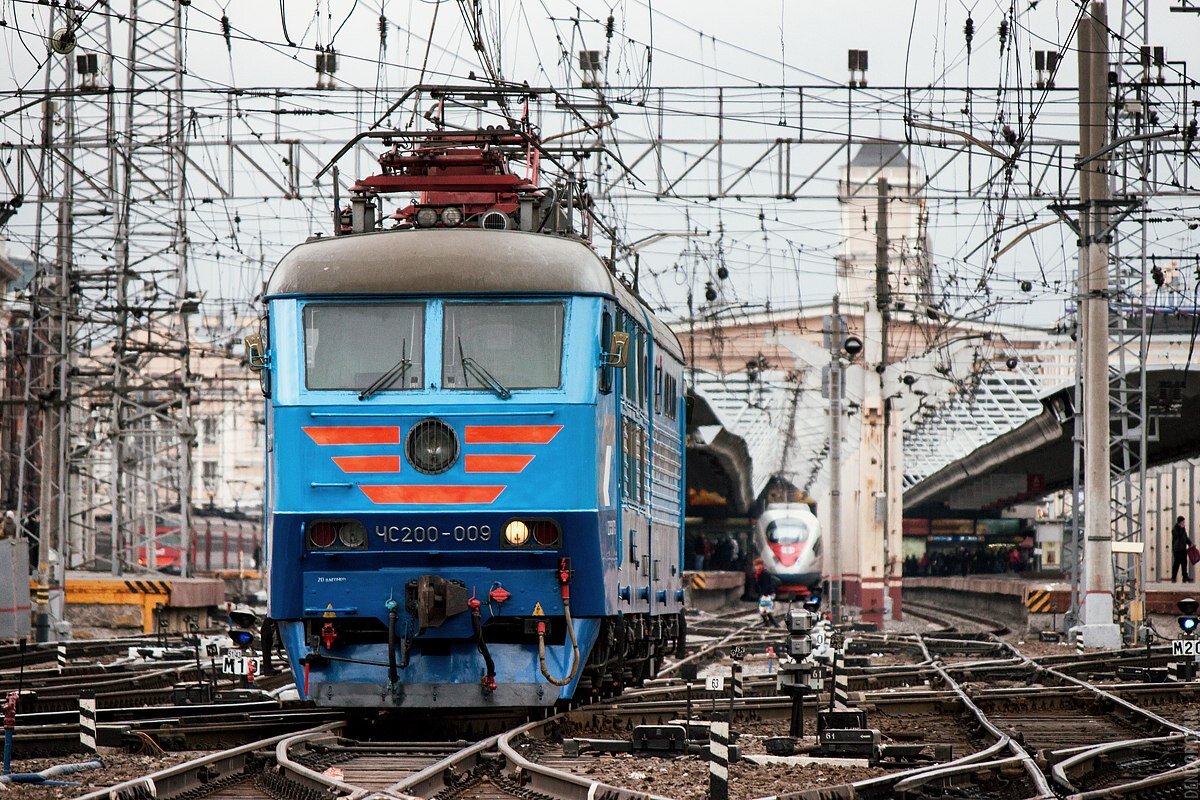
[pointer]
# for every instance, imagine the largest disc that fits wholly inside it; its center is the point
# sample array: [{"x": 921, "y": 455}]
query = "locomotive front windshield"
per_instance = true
[
  {"x": 351, "y": 346},
  {"x": 502, "y": 346},
  {"x": 787, "y": 532}
]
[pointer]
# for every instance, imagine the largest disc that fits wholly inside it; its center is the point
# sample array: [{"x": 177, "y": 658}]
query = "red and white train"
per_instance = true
[{"x": 788, "y": 539}]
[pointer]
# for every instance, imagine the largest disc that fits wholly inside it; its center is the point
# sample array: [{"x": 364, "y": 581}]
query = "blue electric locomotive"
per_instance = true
[{"x": 475, "y": 447}]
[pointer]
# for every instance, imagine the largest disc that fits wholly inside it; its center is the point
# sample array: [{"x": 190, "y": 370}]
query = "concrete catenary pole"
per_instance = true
[
  {"x": 1098, "y": 628},
  {"x": 835, "y": 462}
]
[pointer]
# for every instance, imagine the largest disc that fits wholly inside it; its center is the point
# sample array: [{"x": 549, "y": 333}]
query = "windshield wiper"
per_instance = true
[
  {"x": 388, "y": 378},
  {"x": 474, "y": 369}
]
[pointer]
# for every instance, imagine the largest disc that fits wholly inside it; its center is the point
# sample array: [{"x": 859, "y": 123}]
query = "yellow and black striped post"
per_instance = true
[
  {"x": 40, "y": 595},
  {"x": 1037, "y": 601}
]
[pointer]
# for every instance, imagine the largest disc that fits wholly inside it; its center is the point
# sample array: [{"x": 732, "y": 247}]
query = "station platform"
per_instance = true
[
  {"x": 1032, "y": 598},
  {"x": 95, "y": 599},
  {"x": 712, "y": 590}
]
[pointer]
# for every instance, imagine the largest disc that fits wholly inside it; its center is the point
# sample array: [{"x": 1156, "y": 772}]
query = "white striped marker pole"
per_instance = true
[
  {"x": 841, "y": 681},
  {"x": 87, "y": 719},
  {"x": 62, "y": 655},
  {"x": 718, "y": 757},
  {"x": 738, "y": 691}
]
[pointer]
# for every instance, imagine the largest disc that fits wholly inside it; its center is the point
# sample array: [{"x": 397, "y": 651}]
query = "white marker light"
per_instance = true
[{"x": 516, "y": 533}]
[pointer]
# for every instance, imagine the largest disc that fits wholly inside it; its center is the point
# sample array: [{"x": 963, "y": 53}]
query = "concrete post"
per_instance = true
[
  {"x": 1098, "y": 627},
  {"x": 873, "y": 441}
]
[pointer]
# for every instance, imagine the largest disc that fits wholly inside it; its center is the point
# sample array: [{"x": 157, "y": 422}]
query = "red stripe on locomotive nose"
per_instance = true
[
  {"x": 354, "y": 434},
  {"x": 368, "y": 463},
  {"x": 511, "y": 434},
  {"x": 431, "y": 495},
  {"x": 497, "y": 463}
]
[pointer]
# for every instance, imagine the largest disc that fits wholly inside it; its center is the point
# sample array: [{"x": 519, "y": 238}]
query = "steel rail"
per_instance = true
[{"x": 173, "y": 781}]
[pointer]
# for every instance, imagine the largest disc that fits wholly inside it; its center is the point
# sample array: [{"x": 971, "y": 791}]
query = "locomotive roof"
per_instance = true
[{"x": 461, "y": 261}]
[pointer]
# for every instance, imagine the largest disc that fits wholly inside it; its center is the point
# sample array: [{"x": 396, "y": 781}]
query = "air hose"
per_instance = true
[
  {"x": 564, "y": 578},
  {"x": 393, "y": 674},
  {"x": 489, "y": 677}
]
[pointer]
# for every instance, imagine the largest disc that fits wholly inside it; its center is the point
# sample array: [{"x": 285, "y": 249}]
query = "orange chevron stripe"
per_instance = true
[
  {"x": 368, "y": 463},
  {"x": 497, "y": 463},
  {"x": 354, "y": 434},
  {"x": 511, "y": 434},
  {"x": 431, "y": 495}
]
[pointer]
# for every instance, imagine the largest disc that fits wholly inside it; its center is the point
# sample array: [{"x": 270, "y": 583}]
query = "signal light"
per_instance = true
[
  {"x": 812, "y": 602},
  {"x": 1188, "y": 622},
  {"x": 322, "y": 534},
  {"x": 348, "y": 533},
  {"x": 352, "y": 534},
  {"x": 516, "y": 533},
  {"x": 534, "y": 533},
  {"x": 242, "y": 639},
  {"x": 545, "y": 532}
]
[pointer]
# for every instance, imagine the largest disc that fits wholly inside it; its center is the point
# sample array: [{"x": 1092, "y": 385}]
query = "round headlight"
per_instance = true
[
  {"x": 432, "y": 447},
  {"x": 427, "y": 217},
  {"x": 322, "y": 534},
  {"x": 353, "y": 534},
  {"x": 516, "y": 533},
  {"x": 451, "y": 216}
]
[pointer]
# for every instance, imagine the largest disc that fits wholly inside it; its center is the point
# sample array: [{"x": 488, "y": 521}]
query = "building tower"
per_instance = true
[{"x": 909, "y": 268}]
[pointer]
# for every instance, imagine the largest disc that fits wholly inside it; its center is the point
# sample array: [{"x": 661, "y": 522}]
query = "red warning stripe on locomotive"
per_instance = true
[
  {"x": 510, "y": 434},
  {"x": 354, "y": 434},
  {"x": 431, "y": 495},
  {"x": 478, "y": 463},
  {"x": 368, "y": 463}
]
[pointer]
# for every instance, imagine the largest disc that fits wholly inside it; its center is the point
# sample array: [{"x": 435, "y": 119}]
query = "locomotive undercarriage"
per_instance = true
[{"x": 629, "y": 650}]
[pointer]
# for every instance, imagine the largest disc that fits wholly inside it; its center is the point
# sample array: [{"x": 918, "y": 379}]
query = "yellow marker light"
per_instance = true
[{"x": 516, "y": 533}]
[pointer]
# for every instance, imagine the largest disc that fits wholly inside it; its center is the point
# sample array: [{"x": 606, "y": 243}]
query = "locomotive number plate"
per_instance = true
[{"x": 432, "y": 534}]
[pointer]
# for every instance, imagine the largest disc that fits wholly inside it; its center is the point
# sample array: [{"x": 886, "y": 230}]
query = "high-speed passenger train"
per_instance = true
[
  {"x": 788, "y": 538},
  {"x": 475, "y": 447}
]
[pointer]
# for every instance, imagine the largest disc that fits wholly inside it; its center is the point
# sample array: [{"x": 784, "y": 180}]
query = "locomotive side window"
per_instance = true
[
  {"x": 351, "y": 346},
  {"x": 502, "y": 346},
  {"x": 606, "y": 373}
]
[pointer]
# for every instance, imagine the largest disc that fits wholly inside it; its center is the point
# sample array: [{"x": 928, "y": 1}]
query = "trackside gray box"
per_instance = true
[{"x": 14, "y": 589}]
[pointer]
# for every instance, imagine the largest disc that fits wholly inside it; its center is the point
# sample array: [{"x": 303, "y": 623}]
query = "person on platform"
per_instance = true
[
  {"x": 1180, "y": 542},
  {"x": 765, "y": 584},
  {"x": 8, "y": 527}
]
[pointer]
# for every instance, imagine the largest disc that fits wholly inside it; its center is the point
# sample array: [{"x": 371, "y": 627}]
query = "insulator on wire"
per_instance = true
[
  {"x": 383, "y": 31},
  {"x": 1003, "y": 33},
  {"x": 722, "y": 272},
  {"x": 710, "y": 293},
  {"x": 969, "y": 31},
  {"x": 227, "y": 32}
]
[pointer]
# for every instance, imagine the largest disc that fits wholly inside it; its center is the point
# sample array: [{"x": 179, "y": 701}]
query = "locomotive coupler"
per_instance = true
[{"x": 432, "y": 600}]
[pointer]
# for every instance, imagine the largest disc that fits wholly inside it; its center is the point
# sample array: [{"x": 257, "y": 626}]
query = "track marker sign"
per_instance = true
[
  {"x": 1185, "y": 647},
  {"x": 715, "y": 683},
  {"x": 235, "y": 662}
]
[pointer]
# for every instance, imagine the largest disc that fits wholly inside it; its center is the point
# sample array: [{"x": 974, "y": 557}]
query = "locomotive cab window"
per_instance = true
[
  {"x": 355, "y": 346},
  {"x": 501, "y": 346}
]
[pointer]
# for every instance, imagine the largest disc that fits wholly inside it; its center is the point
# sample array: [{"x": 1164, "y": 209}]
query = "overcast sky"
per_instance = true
[{"x": 777, "y": 252}]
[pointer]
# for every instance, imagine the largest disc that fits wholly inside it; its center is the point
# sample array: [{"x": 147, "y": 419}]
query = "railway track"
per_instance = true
[{"x": 1059, "y": 733}]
